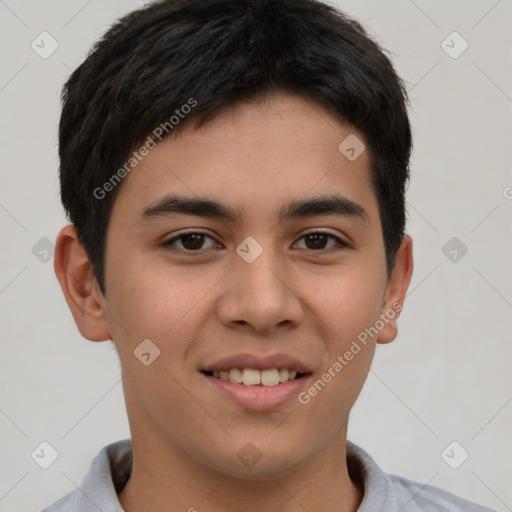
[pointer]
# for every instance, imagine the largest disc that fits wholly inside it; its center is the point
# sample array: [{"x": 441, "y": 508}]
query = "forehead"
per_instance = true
[{"x": 256, "y": 161}]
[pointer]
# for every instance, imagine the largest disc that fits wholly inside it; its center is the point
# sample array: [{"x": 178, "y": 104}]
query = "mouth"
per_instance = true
[
  {"x": 258, "y": 382},
  {"x": 254, "y": 377}
]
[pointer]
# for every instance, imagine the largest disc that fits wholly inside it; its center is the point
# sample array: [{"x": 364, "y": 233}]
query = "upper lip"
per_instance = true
[{"x": 259, "y": 362}]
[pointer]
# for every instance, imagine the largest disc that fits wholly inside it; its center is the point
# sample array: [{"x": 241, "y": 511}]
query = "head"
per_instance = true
[
  {"x": 249, "y": 104},
  {"x": 176, "y": 62}
]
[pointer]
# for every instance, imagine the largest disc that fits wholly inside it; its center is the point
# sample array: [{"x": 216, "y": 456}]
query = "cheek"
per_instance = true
[
  {"x": 348, "y": 307},
  {"x": 160, "y": 305},
  {"x": 347, "y": 301},
  {"x": 152, "y": 298}
]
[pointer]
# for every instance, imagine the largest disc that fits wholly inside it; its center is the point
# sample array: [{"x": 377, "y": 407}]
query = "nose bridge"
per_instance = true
[
  {"x": 259, "y": 291},
  {"x": 258, "y": 273}
]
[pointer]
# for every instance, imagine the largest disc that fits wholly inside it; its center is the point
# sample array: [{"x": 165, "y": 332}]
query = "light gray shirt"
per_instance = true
[{"x": 111, "y": 469}]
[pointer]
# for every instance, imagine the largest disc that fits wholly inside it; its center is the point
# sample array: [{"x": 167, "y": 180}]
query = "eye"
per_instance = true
[
  {"x": 191, "y": 241},
  {"x": 318, "y": 239}
]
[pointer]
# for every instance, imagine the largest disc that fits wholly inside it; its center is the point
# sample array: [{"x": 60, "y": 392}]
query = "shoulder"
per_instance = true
[
  {"x": 390, "y": 493},
  {"x": 98, "y": 490},
  {"x": 68, "y": 503},
  {"x": 428, "y": 498}
]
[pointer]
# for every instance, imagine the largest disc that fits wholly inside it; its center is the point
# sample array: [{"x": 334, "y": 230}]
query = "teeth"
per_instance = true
[
  {"x": 283, "y": 375},
  {"x": 252, "y": 377},
  {"x": 270, "y": 377},
  {"x": 235, "y": 375}
]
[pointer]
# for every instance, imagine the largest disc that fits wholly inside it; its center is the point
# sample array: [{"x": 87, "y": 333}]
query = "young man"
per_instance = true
[{"x": 235, "y": 174}]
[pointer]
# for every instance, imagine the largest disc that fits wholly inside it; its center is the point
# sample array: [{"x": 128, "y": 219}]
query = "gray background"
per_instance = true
[{"x": 446, "y": 378}]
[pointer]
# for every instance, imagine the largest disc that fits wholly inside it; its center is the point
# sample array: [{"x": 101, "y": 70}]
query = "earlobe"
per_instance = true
[
  {"x": 396, "y": 290},
  {"x": 81, "y": 291}
]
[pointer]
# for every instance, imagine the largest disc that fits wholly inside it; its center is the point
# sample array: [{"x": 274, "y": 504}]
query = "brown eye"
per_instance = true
[
  {"x": 317, "y": 240},
  {"x": 191, "y": 242}
]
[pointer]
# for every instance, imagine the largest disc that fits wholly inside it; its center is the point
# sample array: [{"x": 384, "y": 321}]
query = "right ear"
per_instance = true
[{"x": 80, "y": 288}]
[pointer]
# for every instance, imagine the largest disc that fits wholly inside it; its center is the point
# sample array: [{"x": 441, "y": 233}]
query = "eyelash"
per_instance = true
[{"x": 168, "y": 243}]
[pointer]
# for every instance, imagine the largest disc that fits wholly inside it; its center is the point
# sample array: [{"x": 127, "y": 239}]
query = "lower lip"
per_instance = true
[{"x": 259, "y": 398}]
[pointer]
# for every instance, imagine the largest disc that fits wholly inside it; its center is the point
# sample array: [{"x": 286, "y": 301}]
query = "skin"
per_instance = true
[{"x": 294, "y": 298}]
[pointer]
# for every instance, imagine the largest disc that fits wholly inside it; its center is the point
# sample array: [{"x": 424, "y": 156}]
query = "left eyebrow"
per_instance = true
[{"x": 204, "y": 207}]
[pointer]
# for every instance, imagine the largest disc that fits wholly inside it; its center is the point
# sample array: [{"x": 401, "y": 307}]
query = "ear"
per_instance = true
[
  {"x": 396, "y": 290},
  {"x": 79, "y": 286}
]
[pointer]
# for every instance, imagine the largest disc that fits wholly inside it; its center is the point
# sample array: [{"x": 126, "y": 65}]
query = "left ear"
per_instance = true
[{"x": 396, "y": 290}]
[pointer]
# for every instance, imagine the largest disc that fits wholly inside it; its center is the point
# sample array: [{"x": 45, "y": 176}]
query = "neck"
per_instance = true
[{"x": 166, "y": 478}]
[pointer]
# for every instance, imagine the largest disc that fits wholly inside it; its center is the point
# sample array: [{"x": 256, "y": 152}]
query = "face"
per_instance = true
[{"x": 250, "y": 289}]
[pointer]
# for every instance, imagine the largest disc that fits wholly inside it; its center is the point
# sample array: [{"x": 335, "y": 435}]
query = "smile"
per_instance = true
[
  {"x": 254, "y": 377},
  {"x": 252, "y": 393}
]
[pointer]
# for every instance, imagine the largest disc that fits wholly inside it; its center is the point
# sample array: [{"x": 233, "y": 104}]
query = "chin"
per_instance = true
[
  {"x": 262, "y": 472},
  {"x": 260, "y": 466}
]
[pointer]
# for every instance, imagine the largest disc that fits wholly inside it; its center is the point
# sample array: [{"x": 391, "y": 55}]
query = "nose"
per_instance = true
[{"x": 261, "y": 296}]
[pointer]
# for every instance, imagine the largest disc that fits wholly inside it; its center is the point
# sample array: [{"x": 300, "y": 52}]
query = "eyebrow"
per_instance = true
[{"x": 324, "y": 205}]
